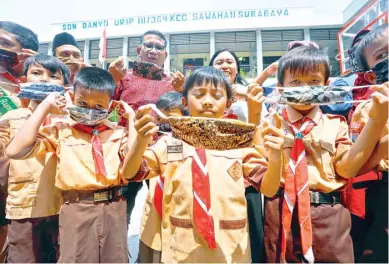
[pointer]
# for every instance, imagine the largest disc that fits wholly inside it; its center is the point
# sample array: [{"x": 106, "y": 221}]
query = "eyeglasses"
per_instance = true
[{"x": 150, "y": 46}]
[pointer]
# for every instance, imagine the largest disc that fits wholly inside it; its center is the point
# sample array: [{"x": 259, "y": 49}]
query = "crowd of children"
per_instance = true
[{"x": 66, "y": 167}]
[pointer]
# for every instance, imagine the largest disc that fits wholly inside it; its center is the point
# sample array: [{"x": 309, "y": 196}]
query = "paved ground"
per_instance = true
[{"x": 134, "y": 227}]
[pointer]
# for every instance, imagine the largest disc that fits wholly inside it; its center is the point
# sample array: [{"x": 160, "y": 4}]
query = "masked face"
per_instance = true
[
  {"x": 381, "y": 71},
  {"x": 86, "y": 116}
]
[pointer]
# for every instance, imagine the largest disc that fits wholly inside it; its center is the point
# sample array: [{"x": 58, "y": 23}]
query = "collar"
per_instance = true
[
  {"x": 106, "y": 122},
  {"x": 315, "y": 114}
]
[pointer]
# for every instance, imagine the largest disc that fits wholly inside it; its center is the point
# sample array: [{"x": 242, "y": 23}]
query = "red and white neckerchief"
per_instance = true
[
  {"x": 11, "y": 78},
  {"x": 203, "y": 220},
  {"x": 97, "y": 147},
  {"x": 158, "y": 195},
  {"x": 296, "y": 189}
]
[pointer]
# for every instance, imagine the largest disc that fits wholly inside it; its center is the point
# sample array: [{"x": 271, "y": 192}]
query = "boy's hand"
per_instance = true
[
  {"x": 178, "y": 80},
  {"x": 379, "y": 109},
  {"x": 273, "y": 138},
  {"x": 117, "y": 69},
  {"x": 26, "y": 53},
  {"x": 255, "y": 99},
  {"x": 144, "y": 125},
  {"x": 55, "y": 103},
  {"x": 272, "y": 68}
]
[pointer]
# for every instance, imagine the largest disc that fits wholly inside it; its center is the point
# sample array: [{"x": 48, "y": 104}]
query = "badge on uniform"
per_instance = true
[
  {"x": 174, "y": 149},
  {"x": 235, "y": 171}
]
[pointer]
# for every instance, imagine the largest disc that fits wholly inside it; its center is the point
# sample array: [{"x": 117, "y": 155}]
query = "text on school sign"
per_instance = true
[{"x": 176, "y": 18}]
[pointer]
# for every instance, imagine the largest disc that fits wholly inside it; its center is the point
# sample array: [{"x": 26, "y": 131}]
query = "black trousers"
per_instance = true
[
  {"x": 130, "y": 195},
  {"x": 377, "y": 220},
  {"x": 255, "y": 218}
]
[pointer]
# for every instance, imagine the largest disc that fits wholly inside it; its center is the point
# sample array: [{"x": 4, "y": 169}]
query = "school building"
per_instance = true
[{"x": 258, "y": 31}]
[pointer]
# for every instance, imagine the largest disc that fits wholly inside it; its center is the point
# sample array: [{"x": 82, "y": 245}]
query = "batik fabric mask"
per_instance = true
[
  {"x": 86, "y": 116},
  {"x": 381, "y": 71}
]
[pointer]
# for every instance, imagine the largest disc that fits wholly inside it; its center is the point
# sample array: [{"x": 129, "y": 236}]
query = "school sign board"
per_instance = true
[{"x": 192, "y": 21}]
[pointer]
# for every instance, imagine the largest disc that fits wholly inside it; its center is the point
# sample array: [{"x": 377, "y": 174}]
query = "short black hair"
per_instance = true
[
  {"x": 239, "y": 79},
  {"x": 367, "y": 40},
  {"x": 25, "y": 36},
  {"x": 169, "y": 101},
  {"x": 48, "y": 62},
  {"x": 303, "y": 59},
  {"x": 156, "y": 33},
  {"x": 94, "y": 78},
  {"x": 204, "y": 76}
]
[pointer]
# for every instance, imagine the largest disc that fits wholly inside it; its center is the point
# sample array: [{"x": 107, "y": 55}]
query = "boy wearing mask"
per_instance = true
[
  {"x": 90, "y": 151},
  {"x": 304, "y": 221},
  {"x": 33, "y": 201}
]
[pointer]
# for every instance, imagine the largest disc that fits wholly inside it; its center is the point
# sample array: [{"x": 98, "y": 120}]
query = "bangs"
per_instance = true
[
  {"x": 303, "y": 60},
  {"x": 48, "y": 62},
  {"x": 48, "y": 66},
  {"x": 207, "y": 76}
]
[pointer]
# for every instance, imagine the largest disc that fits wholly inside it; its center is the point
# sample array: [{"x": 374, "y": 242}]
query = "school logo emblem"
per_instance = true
[{"x": 235, "y": 171}]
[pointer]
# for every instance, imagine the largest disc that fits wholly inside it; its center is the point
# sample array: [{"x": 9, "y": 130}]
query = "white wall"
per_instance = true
[{"x": 40, "y": 15}]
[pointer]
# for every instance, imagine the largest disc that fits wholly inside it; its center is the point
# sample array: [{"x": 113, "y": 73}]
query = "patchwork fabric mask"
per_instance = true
[
  {"x": 352, "y": 61},
  {"x": 211, "y": 133},
  {"x": 313, "y": 95},
  {"x": 39, "y": 91},
  {"x": 8, "y": 59},
  {"x": 147, "y": 70},
  {"x": 72, "y": 63},
  {"x": 86, "y": 116},
  {"x": 381, "y": 71}
]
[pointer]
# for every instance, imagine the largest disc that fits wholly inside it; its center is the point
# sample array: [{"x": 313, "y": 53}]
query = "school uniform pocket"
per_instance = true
[
  {"x": 183, "y": 237},
  {"x": 233, "y": 236},
  {"x": 21, "y": 193}
]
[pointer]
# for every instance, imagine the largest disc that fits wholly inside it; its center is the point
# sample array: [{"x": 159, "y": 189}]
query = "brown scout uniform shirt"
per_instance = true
[
  {"x": 181, "y": 242},
  {"x": 31, "y": 190},
  {"x": 325, "y": 145},
  {"x": 76, "y": 169}
]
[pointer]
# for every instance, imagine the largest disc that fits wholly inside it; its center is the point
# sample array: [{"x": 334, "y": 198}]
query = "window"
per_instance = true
[
  {"x": 133, "y": 43},
  {"x": 327, "y": 40},
  {"x": 81, "y": 44},
  {"x": 114, "y": 50},
  {"x": 275, "y": 42},
  {"x": 43, "y": 48},
  {"x": 244, "y": 45},
  {"x": 189, "y": 52}
]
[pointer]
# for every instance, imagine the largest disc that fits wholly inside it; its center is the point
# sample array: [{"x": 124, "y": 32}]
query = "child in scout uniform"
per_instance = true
[
  {"x": 15, "y": 38},
  {"x": 372, "y": 56},
  {"x": 204, "y": 212},
  {"x": 150, "y": 244},
  {"x": 90, "y": 151},
  {"x": 33, "y": 201},
  {"x": 305, "y": 221}
]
